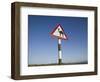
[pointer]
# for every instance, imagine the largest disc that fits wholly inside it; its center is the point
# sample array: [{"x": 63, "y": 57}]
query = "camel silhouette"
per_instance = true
[{"x": 60, "y": 32}]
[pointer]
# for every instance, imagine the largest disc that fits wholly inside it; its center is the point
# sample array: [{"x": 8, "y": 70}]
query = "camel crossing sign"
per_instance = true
[{"x": 60, "y": 34}]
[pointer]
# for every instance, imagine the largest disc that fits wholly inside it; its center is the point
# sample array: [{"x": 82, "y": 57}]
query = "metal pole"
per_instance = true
[{"x": 59, "y": 52}]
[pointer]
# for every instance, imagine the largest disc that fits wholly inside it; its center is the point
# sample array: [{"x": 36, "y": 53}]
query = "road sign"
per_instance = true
[{"x": 59, "y": 32}]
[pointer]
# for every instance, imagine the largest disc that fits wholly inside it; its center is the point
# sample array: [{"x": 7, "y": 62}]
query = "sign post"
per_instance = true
[
  {"x": 59, "y": 52},
  {"x": 59, "y": 33}
]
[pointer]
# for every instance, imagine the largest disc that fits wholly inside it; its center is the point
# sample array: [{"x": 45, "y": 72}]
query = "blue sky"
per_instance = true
[{"x": 43, "y": 49}]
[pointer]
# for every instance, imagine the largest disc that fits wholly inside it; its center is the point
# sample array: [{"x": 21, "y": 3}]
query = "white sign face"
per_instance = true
[{"x": 59, "y": 32}]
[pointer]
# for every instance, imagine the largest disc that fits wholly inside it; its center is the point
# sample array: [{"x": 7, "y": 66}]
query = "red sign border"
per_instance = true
[{"x": 58, "y": 36}]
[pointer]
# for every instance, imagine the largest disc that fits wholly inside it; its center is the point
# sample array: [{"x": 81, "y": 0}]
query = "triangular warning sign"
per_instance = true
[{"x": 59, "y": 32}]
